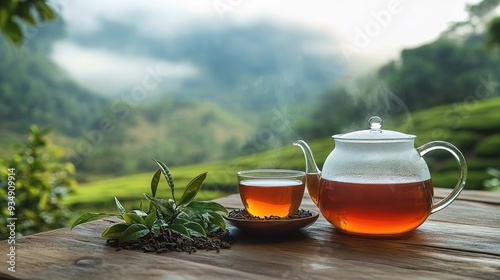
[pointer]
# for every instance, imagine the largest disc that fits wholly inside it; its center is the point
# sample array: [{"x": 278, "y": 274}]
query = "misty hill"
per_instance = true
[
  {"x": 181, "y": 131},
  {"x": 35, "y": 90},
  {"x": 248, "y": 76}
]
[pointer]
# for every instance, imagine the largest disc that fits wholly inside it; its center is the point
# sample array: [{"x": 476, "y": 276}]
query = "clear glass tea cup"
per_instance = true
[{"x": 271, "y": 192}]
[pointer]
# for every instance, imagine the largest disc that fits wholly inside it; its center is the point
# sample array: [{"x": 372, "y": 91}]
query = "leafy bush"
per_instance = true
[{"x": 32, "y": 185}]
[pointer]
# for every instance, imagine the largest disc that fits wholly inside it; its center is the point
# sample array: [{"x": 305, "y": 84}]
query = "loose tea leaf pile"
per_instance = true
[
  {"x": 161, "y": 243},
  {"x": 242, "y": 214}
]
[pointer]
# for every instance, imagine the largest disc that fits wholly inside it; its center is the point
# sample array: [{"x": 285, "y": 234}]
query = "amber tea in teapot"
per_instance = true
[
  {"x": 375, "y": 182},
  {"x": 271, "y": 192},
  {"x": 312, "y": 183},
  {"x": 376, "y": 209}
]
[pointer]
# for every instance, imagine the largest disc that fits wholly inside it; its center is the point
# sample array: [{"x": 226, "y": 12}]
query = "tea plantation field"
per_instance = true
[{"x": 474, "y": 127}]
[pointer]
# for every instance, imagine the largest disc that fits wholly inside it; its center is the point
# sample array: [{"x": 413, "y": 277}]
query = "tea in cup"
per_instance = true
[{"x": 271, "y": 192}]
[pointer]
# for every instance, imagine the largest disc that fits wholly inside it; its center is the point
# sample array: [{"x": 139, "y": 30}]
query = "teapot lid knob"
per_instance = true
[{"x": 375, "y": 124}]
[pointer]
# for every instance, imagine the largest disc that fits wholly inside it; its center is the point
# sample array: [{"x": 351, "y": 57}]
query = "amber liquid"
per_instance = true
[
  {"x": 376, "y": 209},
  {"x": 271, "y": 197},
  {"x": 312, "y": 183}
]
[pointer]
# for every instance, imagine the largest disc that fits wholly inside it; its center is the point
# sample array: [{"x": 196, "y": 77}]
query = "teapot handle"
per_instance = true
[{"x": 442, "y": 145}]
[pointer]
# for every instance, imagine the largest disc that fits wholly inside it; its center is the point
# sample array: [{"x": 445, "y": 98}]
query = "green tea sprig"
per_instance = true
[{"x": 184, "y": 216}]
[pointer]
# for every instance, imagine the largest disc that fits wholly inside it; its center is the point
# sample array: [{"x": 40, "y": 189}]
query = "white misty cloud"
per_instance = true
[
  {"x": 151, "y": 17},
  {"x": 417, "y": 22},
  {"x": 414, "y": 23},
  {"x": 108, "y": 72}
]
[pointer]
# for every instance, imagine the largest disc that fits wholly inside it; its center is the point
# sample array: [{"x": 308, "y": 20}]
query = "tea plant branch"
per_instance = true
[{"x": 186, "y": 216}]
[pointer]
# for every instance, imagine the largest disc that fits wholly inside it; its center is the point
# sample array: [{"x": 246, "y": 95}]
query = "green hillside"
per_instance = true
[
  {"x": 476, "y": 134},
  {"x": 221, "y": 179},
  {"x": 179, "y": 132},
  {"x": 473, "y": 126},
  {"x": 34, "y": 90}
]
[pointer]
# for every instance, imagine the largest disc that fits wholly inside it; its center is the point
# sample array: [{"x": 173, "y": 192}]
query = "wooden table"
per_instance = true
[{"x": 462, "y": 241}]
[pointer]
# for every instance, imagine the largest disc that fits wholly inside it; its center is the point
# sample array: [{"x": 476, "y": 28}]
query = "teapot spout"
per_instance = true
[
  {"x": 313, "y": 174},
  {"x": 311, "y": 167}
]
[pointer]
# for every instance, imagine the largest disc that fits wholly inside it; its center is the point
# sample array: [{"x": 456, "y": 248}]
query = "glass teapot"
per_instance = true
[{"x": 376, "y": 183}]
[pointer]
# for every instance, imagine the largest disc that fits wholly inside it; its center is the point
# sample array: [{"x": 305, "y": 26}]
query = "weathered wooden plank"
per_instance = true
[
  {"x": 471, "y": 195},
  {"x": 344, "y": 256},
  {"x": 470, "y": 213},
  {"x": 323, "y": 252},
  {"x": 319, "y": 252},
  {"x": 64, "y": 254}
]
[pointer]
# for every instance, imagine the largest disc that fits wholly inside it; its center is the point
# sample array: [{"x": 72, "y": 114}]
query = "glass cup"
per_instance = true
[{"x": 271, "y": 192}]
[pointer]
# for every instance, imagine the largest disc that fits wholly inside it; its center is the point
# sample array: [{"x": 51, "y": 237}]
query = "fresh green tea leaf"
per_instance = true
[
  {"x": 192, "y": 189},
  {"x": 119, "y": 206},
  {"x": 181, "y": 221},
  {"x": 168, "y": 176},
  {"x": 179, "y": 229},
  {"x": 115, "y": 231},
  {"x": 200, "y": 207},
  {"x": 87, "y": 217},
  {"x": 155, "y": 228},
  {"x": 154, "y": 182},
  {"x": 201, "y": 219},
  {"x": 183, "y": 215},
  {"x": 140, "y": 212},
  {"x": 165, "y": 207},
  {"x": 133, "y": 218},
  {"x": 196, "y": 228},
  {"x": 150, "y": 219},
  {"x": 216, "y": 218},
  {"x": 133, "y": 232}
]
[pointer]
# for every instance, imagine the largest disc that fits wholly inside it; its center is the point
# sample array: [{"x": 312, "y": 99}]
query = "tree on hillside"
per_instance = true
[
  {"x": 479, "y": 15},
  {"x": 14, "y": 15},
  {"x": 442, "y": 72},
  {"x": 494, "y": 32}
]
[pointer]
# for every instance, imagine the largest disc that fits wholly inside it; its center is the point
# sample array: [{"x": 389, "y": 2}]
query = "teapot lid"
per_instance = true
[{"x": 375, "y": 133}]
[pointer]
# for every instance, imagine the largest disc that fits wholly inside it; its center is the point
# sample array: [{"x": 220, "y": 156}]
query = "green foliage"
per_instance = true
[
  {"x": 479, "y": 13},
  {"x": 14, "y": 13},
  {"x": 493, "y": 32},
  {"x": 41, "y": 181},
  {"x": 446, "y": 71},
  {"x": 183, "y": 216}
]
